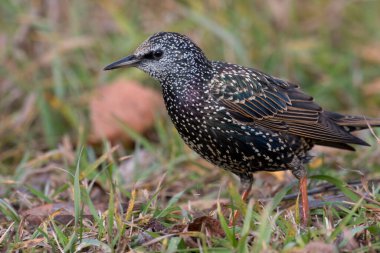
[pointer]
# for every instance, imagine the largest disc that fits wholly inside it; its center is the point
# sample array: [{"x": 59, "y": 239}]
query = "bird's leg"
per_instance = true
[
  {"x": 300, "y": 173},
  {"x": 246, "y": 187},
  {"x": 304, "y": 200}
]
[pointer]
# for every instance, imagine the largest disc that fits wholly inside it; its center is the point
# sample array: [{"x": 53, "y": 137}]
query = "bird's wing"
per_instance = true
[{"x": 252, "y": 97}]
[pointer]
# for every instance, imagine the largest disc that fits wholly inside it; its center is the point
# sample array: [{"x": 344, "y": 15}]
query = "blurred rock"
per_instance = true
[{"x": 122, "y": 101}]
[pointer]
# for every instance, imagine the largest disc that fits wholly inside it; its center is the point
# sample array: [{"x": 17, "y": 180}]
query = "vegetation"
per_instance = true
[{"x": 61, "y": 193}]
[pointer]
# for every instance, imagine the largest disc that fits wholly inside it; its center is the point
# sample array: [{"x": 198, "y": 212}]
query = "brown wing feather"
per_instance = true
[{"x": 279, "y": 106}]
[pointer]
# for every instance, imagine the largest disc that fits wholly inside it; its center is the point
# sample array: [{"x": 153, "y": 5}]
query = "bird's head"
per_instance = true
[{"x": 165, "y": 54}]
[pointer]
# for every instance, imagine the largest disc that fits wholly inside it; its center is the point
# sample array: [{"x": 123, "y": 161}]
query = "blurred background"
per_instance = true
[{"x": 53, "y": 52}]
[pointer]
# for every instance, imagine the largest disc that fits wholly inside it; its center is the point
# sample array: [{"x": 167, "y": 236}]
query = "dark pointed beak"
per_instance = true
[{"x": 128, "y": 61}]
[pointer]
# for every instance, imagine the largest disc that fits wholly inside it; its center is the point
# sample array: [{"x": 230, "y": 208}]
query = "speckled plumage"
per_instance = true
[{"x": 239, "y": 118}]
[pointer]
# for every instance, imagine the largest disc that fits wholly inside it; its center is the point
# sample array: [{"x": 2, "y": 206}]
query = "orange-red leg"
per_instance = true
[
  {"x": 305, "y": 213},
  {"x": 244, "y": 198}
]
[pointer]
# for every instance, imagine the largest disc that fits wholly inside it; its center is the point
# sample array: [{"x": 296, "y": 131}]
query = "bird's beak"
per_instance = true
[{"x": 128, "y": 61}]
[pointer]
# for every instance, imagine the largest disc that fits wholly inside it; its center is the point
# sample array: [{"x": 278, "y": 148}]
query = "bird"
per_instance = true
[{"x": 240, "y": 118}]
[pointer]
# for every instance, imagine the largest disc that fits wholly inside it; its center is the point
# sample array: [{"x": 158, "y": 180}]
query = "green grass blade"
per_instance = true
[
  {"x": 110, "y": 215},
  {"x": 39, "y": 194},
  {"x": 265, "y": 229},
  {"x": 170, "y": 205},
  {"x": 342, "y": 225},
  {"x": 242, "y": 243},
  {"x": 9, "y": 211},
  {"x": 77, "y": 191},
  {"x": 228, "y": 231}
]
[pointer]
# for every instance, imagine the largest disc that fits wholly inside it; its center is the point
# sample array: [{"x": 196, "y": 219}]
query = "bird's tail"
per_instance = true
[
  {"x": 353, "y": 123},
  {"x": 348, "y": 124}
]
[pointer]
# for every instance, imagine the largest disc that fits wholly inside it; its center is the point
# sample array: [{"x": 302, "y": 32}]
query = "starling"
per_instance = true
[{"x": 239, "y": 118}]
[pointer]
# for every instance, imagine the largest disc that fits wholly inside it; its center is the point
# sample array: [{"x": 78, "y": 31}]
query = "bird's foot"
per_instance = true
[{"x": 247, "y": 189}]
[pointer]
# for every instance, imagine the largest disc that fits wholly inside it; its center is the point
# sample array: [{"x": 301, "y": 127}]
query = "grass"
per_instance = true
[{"x": 58, "y": 193}]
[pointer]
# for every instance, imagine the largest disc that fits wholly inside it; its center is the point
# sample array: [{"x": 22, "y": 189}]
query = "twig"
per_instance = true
[{"x": 328, "y": 187}]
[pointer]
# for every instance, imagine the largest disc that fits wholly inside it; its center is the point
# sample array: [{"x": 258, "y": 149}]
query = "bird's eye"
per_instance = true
[
  {"x": 157, "y": 54},
  {"x": 154, "y": 55}
]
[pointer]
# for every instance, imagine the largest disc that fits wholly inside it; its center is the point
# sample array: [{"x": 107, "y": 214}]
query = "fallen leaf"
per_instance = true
[
  {"x": 61, "y": 212},
  {"x": 125, "y": 101},
  {"x": 154, "y": 225},
  {"x": 28, "y": 243},
  {"x": 211, "y": 226}
]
